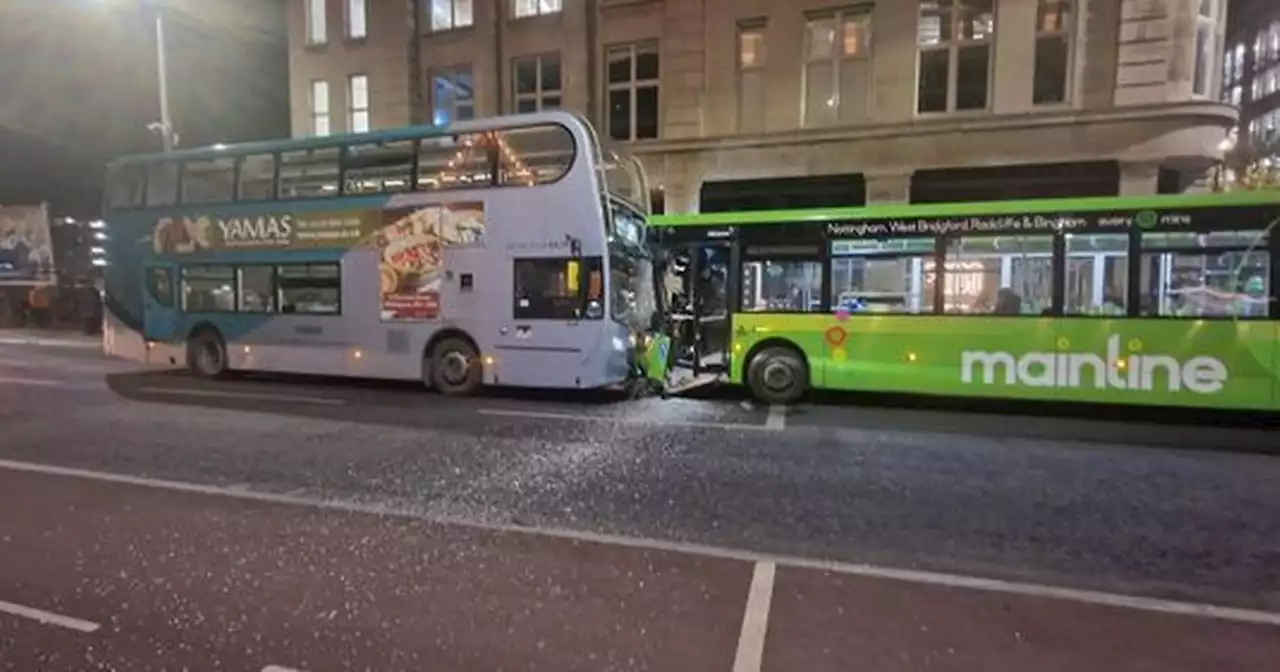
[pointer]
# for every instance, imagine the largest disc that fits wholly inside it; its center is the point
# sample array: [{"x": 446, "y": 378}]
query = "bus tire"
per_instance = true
[
  {"x": 207, "y": 354},
  {"x": 777, "y": 375},
  {"x": 455, "y": 367}
]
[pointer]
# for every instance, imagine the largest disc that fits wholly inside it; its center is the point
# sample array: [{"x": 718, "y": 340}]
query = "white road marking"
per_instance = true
[
  {"x": 36, "y": 382},
  {"x": 777, "y": 419},
  {"x": 277, "y": 668},
  {"x": 1193, "y": 609},
  {"x": 755, "y": 619},
  {"x": 542, "y": 415},
  {"x": 48, "y": 617},
  {"x": 50, "y": 343},
  {"x": 252, "y": 396}
]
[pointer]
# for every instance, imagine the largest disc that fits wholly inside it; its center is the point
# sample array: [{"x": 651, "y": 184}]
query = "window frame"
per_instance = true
[
  {"x": 839, "y": 60},
  {"x": 451, "y": 74},
  {"x": 758, "y": 27},
  {"x": 539, "y": 94},
  {"x": 953, "y": 47},
  {"x": 316, "y": 22},
  {"x": 536, "y": 7},
  {"x": 1066, "y": 32},
  {"x": 632, "y": 86},
  {"x": 351, "y": 12},
  {"x": 430, "y": 6},
  {"x": 1203, "y": 60},
  {"x": 316, "y": 114},
  {"x": 353, "y": 109}
]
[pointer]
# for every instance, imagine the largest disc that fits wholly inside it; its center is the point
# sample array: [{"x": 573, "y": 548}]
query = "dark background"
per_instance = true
[{"x": 78, "y": 86}]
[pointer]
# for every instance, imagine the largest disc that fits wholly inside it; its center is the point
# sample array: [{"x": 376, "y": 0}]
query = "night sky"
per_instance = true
[{"x": 78, "y": 86}]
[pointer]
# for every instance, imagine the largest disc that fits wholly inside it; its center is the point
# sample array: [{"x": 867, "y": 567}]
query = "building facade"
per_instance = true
[
  {"x": 767, "y": 104},
  {"x": 1251, "y": 77}
]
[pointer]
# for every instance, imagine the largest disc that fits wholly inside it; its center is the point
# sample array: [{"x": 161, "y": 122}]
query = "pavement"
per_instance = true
[{"x": 152, "y": 521}]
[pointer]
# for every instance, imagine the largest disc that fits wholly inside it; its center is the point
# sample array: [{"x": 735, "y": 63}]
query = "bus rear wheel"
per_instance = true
[
  {"x": 207, "y": 354},
  {"x": 777, "y": 376},
  {"x": 455, "y": 367}
]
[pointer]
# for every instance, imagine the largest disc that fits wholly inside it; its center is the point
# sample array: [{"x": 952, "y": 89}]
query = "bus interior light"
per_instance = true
[{"x": 357, "y": 354}]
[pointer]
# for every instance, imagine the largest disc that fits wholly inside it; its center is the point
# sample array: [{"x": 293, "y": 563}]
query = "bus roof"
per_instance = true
[
  {"x": 299, "y": 144},
  {"x": 1028, "y": 207}
]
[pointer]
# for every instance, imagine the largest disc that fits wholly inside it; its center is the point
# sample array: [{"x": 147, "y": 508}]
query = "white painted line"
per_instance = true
[
  {"x": 1193, "y": 609},
  {"x": 755, "y": 620},
  {"x": 277, "y": 668},
  {"x": 48, "y": 617},
  {"x": 542, "y": 415},
  {"x": 37, "y": 382},
  {"x": 49, "y": 343},
  {"x": 777, "y": 419},
  {"x": 252, "y": 396}
]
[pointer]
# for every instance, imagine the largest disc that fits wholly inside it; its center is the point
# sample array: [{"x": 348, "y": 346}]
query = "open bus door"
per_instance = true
[{"x": 693, "y": 281}]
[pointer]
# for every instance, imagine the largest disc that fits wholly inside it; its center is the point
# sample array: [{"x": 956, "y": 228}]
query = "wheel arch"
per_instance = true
[{"x": 775, "y": 342}]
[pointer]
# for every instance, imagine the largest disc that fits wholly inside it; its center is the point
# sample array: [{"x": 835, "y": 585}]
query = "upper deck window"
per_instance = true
[
  {"x": 528, "y": 156},
  {"x": 209, "y": 181},
  {"x": 126, "y": 187},
  {"x": 309, "y": 173},
  {"x": 162, "y": 183},
  {"x": 379, "y": 167}
]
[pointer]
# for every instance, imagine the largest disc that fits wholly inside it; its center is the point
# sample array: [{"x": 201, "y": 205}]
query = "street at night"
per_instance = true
[{"x": 153, "y": 521}]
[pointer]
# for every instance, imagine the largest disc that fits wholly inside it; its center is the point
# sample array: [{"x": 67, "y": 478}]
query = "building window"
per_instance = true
[
  {"x": 523, "y": 8},
  {"x": 317, "y": 29},
  {"x": 751, "y": 78},
  {"x": 450, "y": 14},
  {"x": 955, "y": 55},
  {"x": 633, "y": 91},
  {"x": 358, "y": 103},
  {"x": 357, "y": 19},
  {"x": 537, "y": 83},
  {"x": 452, "y": 95},
  {"x": 1266, "y": 48},
  {"x": 320, "y": 108},
  {"x": 1206, "y": 33},
  {"x": 1054, "y": 22},
  {"x": 837, "y": 75}
]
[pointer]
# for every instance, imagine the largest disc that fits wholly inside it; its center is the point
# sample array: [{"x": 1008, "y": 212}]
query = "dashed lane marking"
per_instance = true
[
  {"x": 542, "y": 415},
  {"x": 251, "y": 396},
  {"x": 755, "y": 619},
  {"x": 48, "y": 617},
  {"x": 1137, "y": 603},
  {"x": 777, "y": 419}
]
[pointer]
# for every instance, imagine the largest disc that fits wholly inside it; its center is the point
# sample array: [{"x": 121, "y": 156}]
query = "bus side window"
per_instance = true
[
  {"x": 126, "y": 187},
  {"x": 309, "y": 173},
  {"x": 545, "y": 288},
  {"x": 458, "y": 162},
  {"x": 257, "y": 178},
  {"x": 160, "y": 284},
  {"x": 209, "y": 181},
  {"x": 162, "y": 183}
]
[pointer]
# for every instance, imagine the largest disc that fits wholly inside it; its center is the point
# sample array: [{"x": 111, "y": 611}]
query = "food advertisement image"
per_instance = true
[{"x": 411, "y": 243}]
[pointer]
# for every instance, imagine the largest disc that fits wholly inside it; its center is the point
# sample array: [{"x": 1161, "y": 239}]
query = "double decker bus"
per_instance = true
[
  {"x": 507, "y": 251},
  {"x": 1164, "y": 300}
]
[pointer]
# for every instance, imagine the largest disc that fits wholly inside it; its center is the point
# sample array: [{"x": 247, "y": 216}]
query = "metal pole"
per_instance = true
[{"x": 166, "y": 124}]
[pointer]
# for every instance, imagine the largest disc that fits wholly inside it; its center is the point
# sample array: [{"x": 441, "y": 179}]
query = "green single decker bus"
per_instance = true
[{"x": 1161, "y": 300}]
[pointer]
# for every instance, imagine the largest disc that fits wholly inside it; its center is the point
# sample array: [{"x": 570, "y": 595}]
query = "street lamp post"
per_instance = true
[
  {"x": 164, "y": 127},
  {"x": 168, "y": 137}
]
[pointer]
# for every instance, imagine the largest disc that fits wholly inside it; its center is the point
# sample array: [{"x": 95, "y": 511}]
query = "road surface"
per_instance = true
[{"x": 151, "y": 521}]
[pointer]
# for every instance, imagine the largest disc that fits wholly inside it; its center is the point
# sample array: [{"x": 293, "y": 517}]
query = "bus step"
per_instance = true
[{"x": 688, "y": 383}]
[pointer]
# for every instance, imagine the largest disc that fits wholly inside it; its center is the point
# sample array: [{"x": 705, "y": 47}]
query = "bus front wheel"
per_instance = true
[
  {"x": 207, "y": 354},
  {"x": 777, "y": 376},
  {"x": 455, "y": 367}
]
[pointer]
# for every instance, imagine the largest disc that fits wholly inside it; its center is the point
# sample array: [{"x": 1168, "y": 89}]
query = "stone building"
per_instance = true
[{"x": 762, "y": 104}]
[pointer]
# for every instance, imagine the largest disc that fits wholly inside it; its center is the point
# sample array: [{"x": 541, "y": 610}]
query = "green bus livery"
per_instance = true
[{"x": 1161, "y": 300}]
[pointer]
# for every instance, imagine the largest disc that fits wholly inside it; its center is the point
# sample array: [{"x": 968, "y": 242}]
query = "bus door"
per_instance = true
[
  {"x": 696, "y": 286},
  {"x": 160, "y": 310}
]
